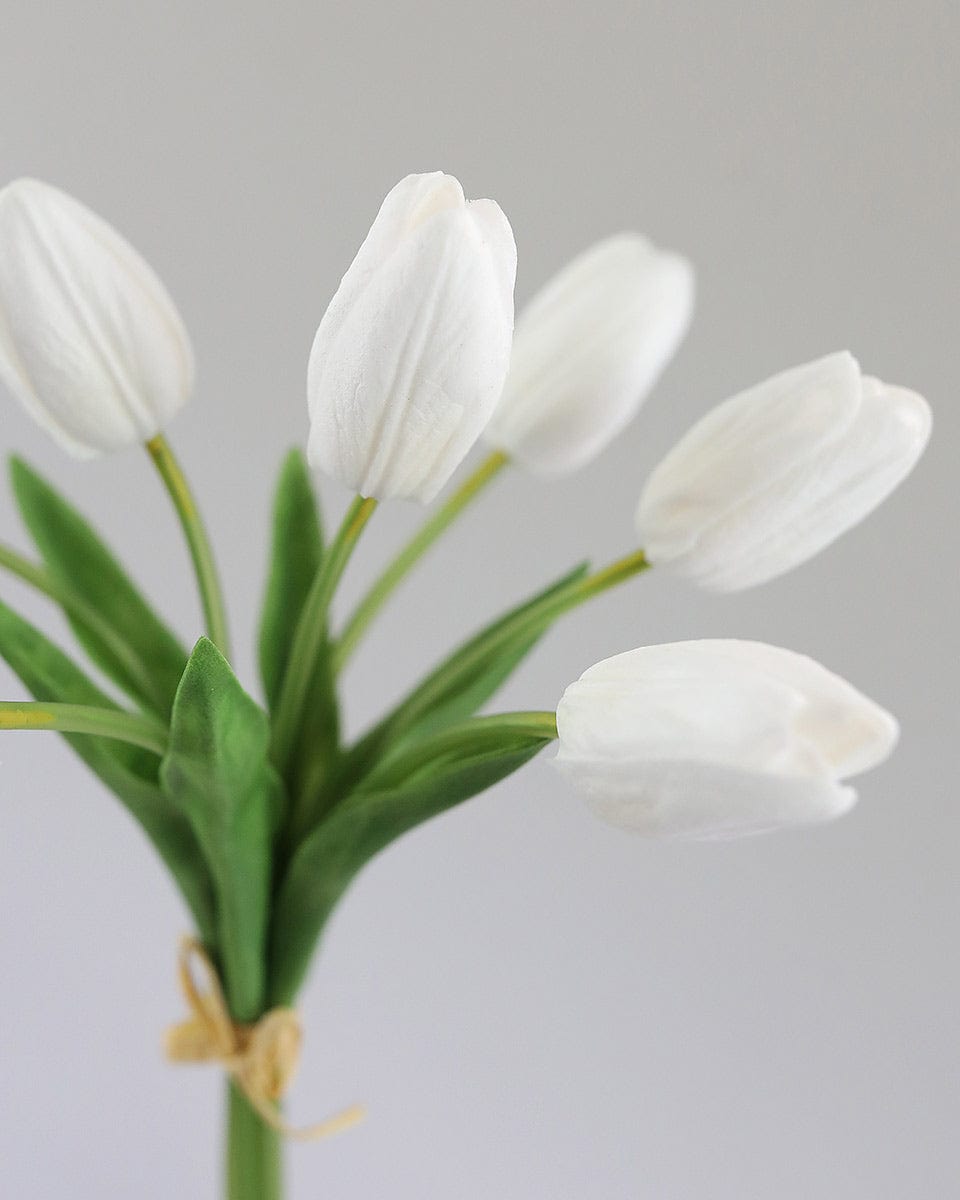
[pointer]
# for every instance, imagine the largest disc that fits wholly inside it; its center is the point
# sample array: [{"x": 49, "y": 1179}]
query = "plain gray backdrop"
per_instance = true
[{"x": 532, "y": 1005}]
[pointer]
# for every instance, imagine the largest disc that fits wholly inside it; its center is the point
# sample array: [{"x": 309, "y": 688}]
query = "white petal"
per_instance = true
[
  {"x": 740, "y": 449},
  {"x": 852, "y": 733},
  {"x": 678, "y": 700},
  {"x": 796, "y": 512},
  {"x": 714, "y": 737},
  {"x": 706, "y": 801},
  {"x": 90, "y": 341},
  {"x": 405, "y": 371},
  {"x": 405, "y": 207},
  {"x": 588, "y": 349},
  {"x": 810, "y": 508}
]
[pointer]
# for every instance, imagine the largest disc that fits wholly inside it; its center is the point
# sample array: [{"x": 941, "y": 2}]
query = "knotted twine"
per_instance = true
[{"x": 260, "y": 1058}]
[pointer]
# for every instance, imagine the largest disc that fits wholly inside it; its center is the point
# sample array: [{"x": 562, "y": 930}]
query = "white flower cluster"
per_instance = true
[{"x": 416, "y": 359}]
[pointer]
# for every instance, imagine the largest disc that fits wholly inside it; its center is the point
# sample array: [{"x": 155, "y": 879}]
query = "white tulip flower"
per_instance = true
[
  {"x": 717, "y": 739},
  {"x": 411, "y": 354},
  {"x": 90, "y": 342},
  {"x": 773, "y": 475},
  {"x": 587, "y": 351}
]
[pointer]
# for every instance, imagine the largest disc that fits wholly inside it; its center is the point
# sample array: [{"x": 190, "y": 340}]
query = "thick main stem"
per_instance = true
[
  {"x": 254, "y": 1167},
  {"x": 414, "y": 550},
  {"x": 201, "y": 552}
]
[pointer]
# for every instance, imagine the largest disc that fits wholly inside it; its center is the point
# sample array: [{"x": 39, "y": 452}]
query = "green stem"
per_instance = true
[
  {"x": 135, "y": 728},
  {"x": 459, "y": 666},
  {"x": 308, "y": 639},
  {"x": 527, "y": 622},
  {"x": 211, "y": 595},
  {"x": 473, "y": 736},
  {"x": 428, "y": 533},
  {"x": 253, "y": 1153},
  {"x": 78, "y": 608}
]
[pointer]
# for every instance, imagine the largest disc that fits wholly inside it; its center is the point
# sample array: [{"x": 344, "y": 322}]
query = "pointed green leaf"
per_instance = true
[
  {"x": 217, "y": 774},
  {"x": 295, "y": 558},
  {"x": 296, "y": 551},
  {"x": 360, "y": 827},
  {"x": 131, "y": 773},
  {"x": 76, "y": 555}
]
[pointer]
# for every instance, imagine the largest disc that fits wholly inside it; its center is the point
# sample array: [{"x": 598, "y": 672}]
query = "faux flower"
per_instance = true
[
  {"x": 90, "y": 342},
  {"x": 768, "y": 478},
  {"x": 588, "y": 348},
  {"x": 411, "y": 354},
  {"x": 717, "y": 739}
]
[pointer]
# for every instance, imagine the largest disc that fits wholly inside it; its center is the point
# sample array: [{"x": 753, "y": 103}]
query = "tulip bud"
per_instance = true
[
  {"x": 771, "y": 476},
  {"x": 90, "y": 342},
  {"x": 717, "y": 739},
  {"x": 411, "y": 355},
  {"x": 588, "y": 348}
]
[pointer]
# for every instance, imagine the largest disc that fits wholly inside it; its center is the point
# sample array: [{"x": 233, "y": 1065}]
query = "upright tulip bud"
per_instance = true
[
  {"x": 90, "y": 342},
  {"x": 411, "y": 355},
  {"x": 588, "y": 348},
  {"x": 717, "y": 739},
  {"x": 767, "y": 479}
]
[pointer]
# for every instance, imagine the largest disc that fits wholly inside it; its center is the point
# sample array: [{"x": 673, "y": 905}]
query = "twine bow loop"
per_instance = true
[{"x": 261, "y": 1058}]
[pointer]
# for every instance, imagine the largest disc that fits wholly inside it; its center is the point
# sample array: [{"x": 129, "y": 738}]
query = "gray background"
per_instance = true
[{"x": 531, "y": 1004}]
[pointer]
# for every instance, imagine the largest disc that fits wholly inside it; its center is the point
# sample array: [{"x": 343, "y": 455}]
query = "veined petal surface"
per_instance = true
[
  {"x": 714, "y": 737},
  {"x": 90, "y": 342}
]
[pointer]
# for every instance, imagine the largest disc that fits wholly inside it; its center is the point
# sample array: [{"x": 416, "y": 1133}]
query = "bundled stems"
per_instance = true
[
  {"x": 418, "y": 545},
  {"x": 211, "y": 595},
  {"x": 308, "y": 639}
]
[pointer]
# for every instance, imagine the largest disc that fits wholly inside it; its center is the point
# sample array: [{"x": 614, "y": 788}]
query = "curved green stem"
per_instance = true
[
  {"x": 418, "y": 545},
  {"x": 473, "y": 736},
  {"x": 459, "y": 666},
  {"x": 463, "y": 662},
  {"x": 308, "y": 638},
  {"x": 211, "y": 594},
  {"x": 75, "y": 606},
  {"x": 134, "y": 728}
]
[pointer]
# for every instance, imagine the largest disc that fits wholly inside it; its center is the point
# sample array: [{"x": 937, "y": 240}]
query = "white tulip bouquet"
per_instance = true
[{"x": 261, "y": 812}]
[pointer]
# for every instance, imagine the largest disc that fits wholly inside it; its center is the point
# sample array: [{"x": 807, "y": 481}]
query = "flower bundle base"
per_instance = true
[{"x": 260, "y": 1059}]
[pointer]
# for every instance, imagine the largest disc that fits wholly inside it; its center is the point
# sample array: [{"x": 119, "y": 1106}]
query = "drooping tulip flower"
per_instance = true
[
  {"x": 768, "y": 478},
  {"x": 717, "y": 739},
  {"x": 588, "y": 349},
  {"x": 411, "y": 354},
  {"x": 90, "y": 342}
]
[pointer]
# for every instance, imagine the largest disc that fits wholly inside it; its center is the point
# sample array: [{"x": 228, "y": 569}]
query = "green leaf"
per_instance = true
[
  {"x": 295, "y": 558},
  {"x": 471, "y": 688},
  {"x": 131, "y": 773},
  {"x": 359, "y": 828},
  {"x": 467, "y": 688},
  {"x": 76, "y": 555},
  {"x": 218, "y": 775},
  {"x": 296, "y": 552}
]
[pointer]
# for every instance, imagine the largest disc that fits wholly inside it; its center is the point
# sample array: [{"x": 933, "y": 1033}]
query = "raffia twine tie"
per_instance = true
[{"x": 261, "y": 1058}]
